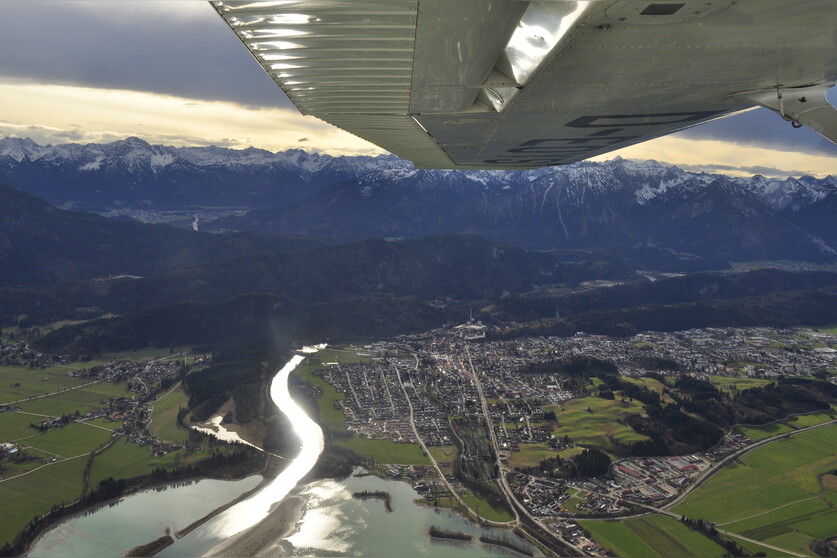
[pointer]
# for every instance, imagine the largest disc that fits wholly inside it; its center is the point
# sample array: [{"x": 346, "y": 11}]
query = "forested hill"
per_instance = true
[{"x": 42, "y": 244}]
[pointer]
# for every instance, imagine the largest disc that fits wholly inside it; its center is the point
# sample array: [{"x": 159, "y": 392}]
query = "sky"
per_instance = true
[{"x": 173, "y": 73}]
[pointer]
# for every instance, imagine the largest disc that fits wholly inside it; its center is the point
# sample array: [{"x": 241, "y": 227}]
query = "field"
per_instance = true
[
  {"x": 69, "y": 441},
  {"x": 598, "y": 427},
  {"x": 384, "y": 451},
  {"x": 486, "y": 510},
  {"x": 476, "y": 503},
  {"x": 35, "y": 493},
  {"x": 83, "y": 400},
  {"x": 444, "y": 456},
  {"x": 164, "y": 416},
  {"x": 774, "y": 494},
  {"x": 757, "y": 433},
  {"x": 529, "y": 455},
  {"x": 16, "y": 425},
  {"x": 801, "y": 421},
  {"x": 20, "y": 382},
  {"x": 726, "y": 383},
  {"x": 654, "y": 536},
  {"x": 651, "y": 383}
]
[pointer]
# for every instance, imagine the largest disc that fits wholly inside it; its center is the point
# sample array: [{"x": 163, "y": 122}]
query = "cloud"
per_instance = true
[
  {"x": 62, "y": 113},
  {"x": 175, "y": 48},
  {"x": 763, "y": 128},
  {"x": 300, "y": 140},
  {"x": 714, "y": 155},
  {"x": 772, "y": 172}
]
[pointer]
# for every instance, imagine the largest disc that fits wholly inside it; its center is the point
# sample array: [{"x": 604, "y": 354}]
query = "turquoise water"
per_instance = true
[
  {"x": 113, "y": 529},
  {"x": 335, "y": 524}
]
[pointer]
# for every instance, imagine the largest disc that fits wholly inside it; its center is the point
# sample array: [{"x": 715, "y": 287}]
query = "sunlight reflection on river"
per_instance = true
[
  {"x": 251, "y": 511},
  {"x": 325, "y": 526}
]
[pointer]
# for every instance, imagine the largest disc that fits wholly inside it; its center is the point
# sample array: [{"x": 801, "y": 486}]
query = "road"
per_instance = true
[
  {"x": 429, "y": 455},
  {"x": 531, "y": 524},
  {"x": 711, "y": 471}
]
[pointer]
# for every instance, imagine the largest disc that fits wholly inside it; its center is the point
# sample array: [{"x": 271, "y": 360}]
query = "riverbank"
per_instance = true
[
  {"x": 152, "y": 548},
  {"x": 280, "y": 523}
]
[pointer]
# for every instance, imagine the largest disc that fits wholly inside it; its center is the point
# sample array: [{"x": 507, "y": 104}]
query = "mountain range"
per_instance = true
[
  {"x": 133, "y": 173},
  {"x": 588, "y": 206}
]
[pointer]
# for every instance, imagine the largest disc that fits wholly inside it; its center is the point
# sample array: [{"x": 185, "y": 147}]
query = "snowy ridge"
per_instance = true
[{"x": 254, "y": 176}]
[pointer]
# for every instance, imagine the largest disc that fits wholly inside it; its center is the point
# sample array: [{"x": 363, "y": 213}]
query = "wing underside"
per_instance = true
[{"x": 515, "y": 84}]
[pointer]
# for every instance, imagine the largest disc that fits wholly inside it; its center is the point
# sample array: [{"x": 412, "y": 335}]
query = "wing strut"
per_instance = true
[{"x": 801, "y": 106}]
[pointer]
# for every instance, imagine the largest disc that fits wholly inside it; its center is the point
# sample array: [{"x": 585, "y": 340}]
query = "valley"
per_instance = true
[{"x": 594, "y": 356}]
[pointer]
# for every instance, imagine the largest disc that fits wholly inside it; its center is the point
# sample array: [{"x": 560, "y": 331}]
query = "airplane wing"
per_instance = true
[{"x": 517, "y": 84}]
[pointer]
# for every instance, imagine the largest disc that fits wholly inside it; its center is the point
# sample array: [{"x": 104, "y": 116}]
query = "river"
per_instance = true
[{"x": 333, "y": 523}]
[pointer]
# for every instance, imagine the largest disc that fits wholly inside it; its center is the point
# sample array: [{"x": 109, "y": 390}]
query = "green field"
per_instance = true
[
  {"x": 801, "y": 421},
  {"x": 597, "y": 428},
  {"x": 36, "y": 493},
  {"x": 384, "y": 451},
  {"x": 38, "y": 483},
  {"x": 32, "y": 382},
  {"x": 727, "y": 383},
  {"x": 529, "y": 455},
  {"x": 486, "y": 510},
  {"x": 14, "y": 426},
  {"x": 82, "y": 400},
  {"x": 164, "y": 416},
  {"x": 476, "y": 503},
  {"x": 653, "y": 536},
  {"x": 104, "y": 423},
  {"x": 774, "y": 493},
  {"x": 756, "y": 433},
  {"x": 651, "y": 383},
  {"x": 69, "y": 441}
]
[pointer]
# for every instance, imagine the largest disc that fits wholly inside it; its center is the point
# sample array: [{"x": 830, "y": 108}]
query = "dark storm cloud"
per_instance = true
[
  {"x": 762, "y": 128},
  {"x": 191, "y": 53}
]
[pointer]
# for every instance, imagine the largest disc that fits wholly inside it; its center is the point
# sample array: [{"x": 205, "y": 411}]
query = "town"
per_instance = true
[{"x": 409, "y": 390}]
